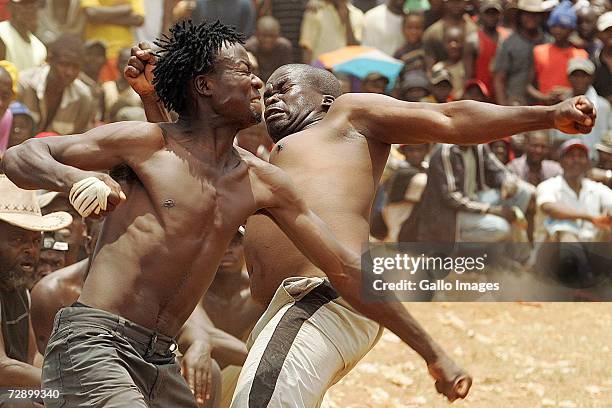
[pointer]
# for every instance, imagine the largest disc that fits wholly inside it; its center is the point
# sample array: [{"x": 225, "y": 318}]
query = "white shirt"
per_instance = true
[
  {"x": 594, "y": 199},
  {"x": 382, "y": 29}
]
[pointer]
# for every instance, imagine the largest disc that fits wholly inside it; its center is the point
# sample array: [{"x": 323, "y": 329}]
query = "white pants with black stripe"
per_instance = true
[{"x": 305, "y": 342}]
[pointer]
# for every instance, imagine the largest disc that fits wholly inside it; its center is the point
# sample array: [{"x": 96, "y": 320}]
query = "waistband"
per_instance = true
[{"x": 146, "y": 341}]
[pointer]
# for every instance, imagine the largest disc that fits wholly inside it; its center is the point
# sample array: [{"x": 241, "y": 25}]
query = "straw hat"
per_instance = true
[{"x": 20, "y": 208}]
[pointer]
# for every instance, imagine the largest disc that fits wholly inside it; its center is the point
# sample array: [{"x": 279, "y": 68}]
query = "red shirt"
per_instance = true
[
  {"x": 486, "y": 51},
  {"x": 550, "y": 64}
]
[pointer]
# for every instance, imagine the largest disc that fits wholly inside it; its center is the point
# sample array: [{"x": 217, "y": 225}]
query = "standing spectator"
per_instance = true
[
  {"x": 454, "y": 16},
  {"x": 58, "y": 100},
  {"x": 90, "y": 75},
  {"x": 59, "y": 17},
  {"x": 514, "y": 58},
  {"x": 580, "y": 73},
  {"x": 532, "y": 166},
  {"x": 374, "y": 83},
  {"x": 112, "y": 22},
  {"x": 586, "y": 34},
  {"x": 20, "y": 237},
  {"x": 603, "y": 61},
  {"x": 382, "y": 26},
  {"x": 289, "y": 15},
  {"x": 441, "y": 86},
  {"x": 412, "y": 27},
  {"x": 18, "y": 44},
  {"x": 332, "y": 25},
  {"x": 482, "y": 45},
  {"x": 23, "y": 124},
  {"x": 412, "y": 86},
  {"x": 550, "y": 61},
  {"x": 453, "y": 46},
  {"x": 575, "y": 209},
  {"x": 238, "y": 13},
  {"x": 269, "y": 48}
]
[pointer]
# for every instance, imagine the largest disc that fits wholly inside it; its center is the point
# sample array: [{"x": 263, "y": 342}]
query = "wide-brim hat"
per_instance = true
[
  {"x": 532, "y": 6},
  {"x": 20, "y": 208}
]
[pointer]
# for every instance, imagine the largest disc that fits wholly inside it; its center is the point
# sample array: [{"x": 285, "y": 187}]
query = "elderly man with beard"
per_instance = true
[{"x": 21, "y": 224}]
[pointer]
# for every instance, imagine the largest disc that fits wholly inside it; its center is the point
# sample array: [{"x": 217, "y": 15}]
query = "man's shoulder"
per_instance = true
[
  {"x": 374, "y": 14},
  {"x": 551, "y": 183},
  {"x": 595, "y": 186}
]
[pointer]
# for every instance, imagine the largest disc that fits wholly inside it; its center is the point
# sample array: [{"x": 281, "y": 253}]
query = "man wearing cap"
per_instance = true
[
  {"x": 440, "y": 86},
  {"x": 481, "y": 46},
  {"x": 23, "y": 124},
  {"x": 548, "y": 83},
  {"x": 52, "y": 255},
  {"x": 603, "y": 60},
  {"x": 18, "y": 44},
  {"x": 374, "y": 82},
  {"x": 515, "y": 56},
  {"x": 412, "y": 86},
  {"x": 574, "y": 208},
  {"x": 580, "y": 73},
  {"x": 21, "y": 224}
]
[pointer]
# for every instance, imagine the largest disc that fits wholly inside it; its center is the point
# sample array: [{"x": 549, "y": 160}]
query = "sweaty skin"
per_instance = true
[
  {"x": 336, "y": 156},
  {"x": 153, "y": 263}
]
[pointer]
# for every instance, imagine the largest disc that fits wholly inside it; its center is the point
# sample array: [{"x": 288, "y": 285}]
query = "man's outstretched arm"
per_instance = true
[
  {"x": 343, "y": 267},
  {"x": 464, "y": 122}
]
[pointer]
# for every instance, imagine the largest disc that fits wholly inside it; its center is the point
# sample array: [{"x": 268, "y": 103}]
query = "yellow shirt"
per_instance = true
[
  {"x": 116, "y": 37},
  {"x": 322, "y": 31}
]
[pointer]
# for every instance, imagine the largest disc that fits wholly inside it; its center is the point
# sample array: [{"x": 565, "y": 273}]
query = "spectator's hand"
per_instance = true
[
  {"x": 451, "y": 380},
  {"x": 576, "y": 115},
  {"x": 503, "y": 211},
  {"x": 139, "y": 70},
  {"x": 90, "y": 199},
  {"x": 602, "y": 221},
  {"x": 196, "y": 367}
]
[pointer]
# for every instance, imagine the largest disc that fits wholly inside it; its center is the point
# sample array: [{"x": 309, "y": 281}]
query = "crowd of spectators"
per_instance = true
[{"x": 60, "y": 74}]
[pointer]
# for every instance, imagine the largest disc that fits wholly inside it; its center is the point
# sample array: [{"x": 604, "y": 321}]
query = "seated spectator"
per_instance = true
[
  {"x": 580, "y": 73},
  {"x": 290, "y": 16},
  {"x": 112, "y": 22},
  {"x": 586, "y": 33},
  {"x": 57, "y": 99},
  {"x": 550, "y": 61},
  {"x": 412, "y": 86},
  {"x": 502, "y": 149},
  {"x": 21, "y": 224},
  {"x": 481, "y": 46},
  {"x": 412, "y": 28},
  {"x": 52, "y": 255},
  {"x": 269, "y": 48},
  {"x": 440, "y": 86},
  {"x": 433, "y": 39},
  {"x": 574, "y": 208},
  {"x": 514, "y": 58},
  {"x": 453, "y": 45},
  {"x": 332, "y": 25},
  {"x": 404, "y": 188},
  {"x": 58, "y": 17},
  {"x": 532, "y": 166},
  {"x": 602, "y": 172},
  {"x": 382, "y": 26},
  {"x": 119, "y": 94},
  {"x": 18, "y": 44},
  {"x": 374, "y": 83},
  {"x": 463, "y": 200},
  {"x": 7, "y": 94},
  {"x": 603, "y": 61},
  {"x": 23, "y": 124}
]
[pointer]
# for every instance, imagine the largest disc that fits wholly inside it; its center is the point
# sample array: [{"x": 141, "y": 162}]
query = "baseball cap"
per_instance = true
[
  {"x": 604, "y": 21},
  {"x": 572, "y": 144},
  {"x": 580, "y": 64},
  {"x": 491, "y": 4},
  {"x": 375, "y": 76},
  {"x": 563, "y": 15},
  {"x": 477, "y": 83},
  {"x": 440, "y": 75},
  {"x": 414, "y": 79}
]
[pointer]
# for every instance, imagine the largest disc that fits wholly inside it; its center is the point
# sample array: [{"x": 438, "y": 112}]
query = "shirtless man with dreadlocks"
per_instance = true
[{"x": 186, "y": 192}]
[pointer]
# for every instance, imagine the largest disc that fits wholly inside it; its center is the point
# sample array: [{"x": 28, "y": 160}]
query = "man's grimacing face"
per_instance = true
[{"x": 19, "y": 253}]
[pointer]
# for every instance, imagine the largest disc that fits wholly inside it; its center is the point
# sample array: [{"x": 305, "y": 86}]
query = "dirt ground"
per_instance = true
[{"x": 519, "y": 354}]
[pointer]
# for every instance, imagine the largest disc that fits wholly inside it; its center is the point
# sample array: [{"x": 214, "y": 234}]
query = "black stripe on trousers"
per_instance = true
[{"x": 276, "y": 351}]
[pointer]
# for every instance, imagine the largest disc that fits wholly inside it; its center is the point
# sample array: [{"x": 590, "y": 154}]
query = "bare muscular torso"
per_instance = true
[
  {"x": 337, "y": 170},
  {"x": 159, "y": 250}
]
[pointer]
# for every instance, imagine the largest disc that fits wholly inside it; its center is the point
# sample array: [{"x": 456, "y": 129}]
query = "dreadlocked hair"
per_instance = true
[{"x": 190, "y": 50}]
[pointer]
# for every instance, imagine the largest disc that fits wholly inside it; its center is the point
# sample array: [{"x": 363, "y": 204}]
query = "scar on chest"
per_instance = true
[{"x": 168, "y": 203}]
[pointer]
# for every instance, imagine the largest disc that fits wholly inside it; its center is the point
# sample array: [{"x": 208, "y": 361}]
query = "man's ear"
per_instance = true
[
  {"x": 327, "y": 101},
  {"x": 203, "y": 85}
]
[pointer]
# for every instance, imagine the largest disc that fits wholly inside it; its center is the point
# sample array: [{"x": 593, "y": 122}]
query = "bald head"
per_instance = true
[
  {"x": 268, "y": 25},
  {"x": 323, "y": 81}
]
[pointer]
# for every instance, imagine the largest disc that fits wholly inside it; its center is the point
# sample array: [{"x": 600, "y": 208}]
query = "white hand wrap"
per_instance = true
[{"x": 89, "y": 195}]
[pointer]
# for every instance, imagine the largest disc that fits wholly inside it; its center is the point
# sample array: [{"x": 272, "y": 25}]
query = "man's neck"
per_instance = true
[
  {"x": 562, "y": 44},
  {"x": 532, "y": 35},
  {"x": 490, "y": 31},
  {"x": 575, "y": 183},
  {"x": 22, "y": 29},
  {"x": 225, "y": 284},
  {"x": 207, "y": 139},
  {"x": 534, "y": 165},
  {"x": 453, "y": 19}
]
